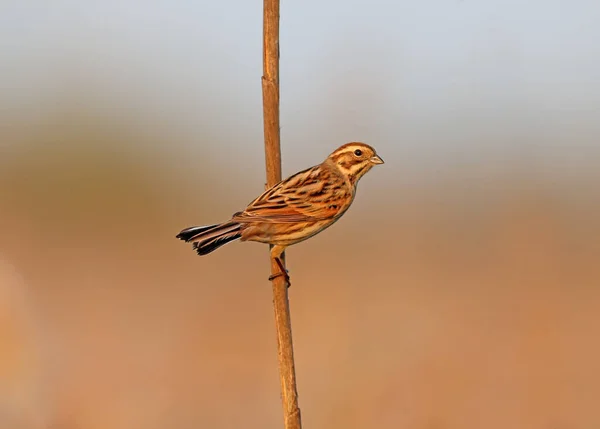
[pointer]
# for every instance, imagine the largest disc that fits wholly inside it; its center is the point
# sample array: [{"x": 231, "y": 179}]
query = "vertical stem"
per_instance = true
[{"x": 270, "y": 87}]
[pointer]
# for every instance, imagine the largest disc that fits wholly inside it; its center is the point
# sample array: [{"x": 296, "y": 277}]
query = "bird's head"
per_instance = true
[{"x": 354, "y": 159}]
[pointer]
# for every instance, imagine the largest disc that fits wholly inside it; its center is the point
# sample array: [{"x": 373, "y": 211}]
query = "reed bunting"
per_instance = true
[{"x": 294, "y": 209}]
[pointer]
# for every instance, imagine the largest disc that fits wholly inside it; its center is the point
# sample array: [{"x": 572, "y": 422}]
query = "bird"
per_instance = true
[{"x": 294, "y": 209}]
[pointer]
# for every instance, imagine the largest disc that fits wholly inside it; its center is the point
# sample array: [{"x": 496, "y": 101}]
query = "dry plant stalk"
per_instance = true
[{"x": 283, "y": 325}]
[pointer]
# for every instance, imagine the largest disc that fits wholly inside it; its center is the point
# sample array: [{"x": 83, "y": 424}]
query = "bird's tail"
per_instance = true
[{"x": 211, "y": 237}]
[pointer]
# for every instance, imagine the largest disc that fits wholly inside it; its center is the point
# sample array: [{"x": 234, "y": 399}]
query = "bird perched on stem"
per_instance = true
[{"x": 294, "y": 209}]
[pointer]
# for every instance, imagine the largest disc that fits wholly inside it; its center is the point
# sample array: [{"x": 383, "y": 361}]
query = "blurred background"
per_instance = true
[{"x": 460, "y": 291}]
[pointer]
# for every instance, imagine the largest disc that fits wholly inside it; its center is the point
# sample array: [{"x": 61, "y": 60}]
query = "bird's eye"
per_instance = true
[{"x": 358, "y": 152}]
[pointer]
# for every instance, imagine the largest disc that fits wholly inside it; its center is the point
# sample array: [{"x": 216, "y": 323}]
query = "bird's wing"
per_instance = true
[{"x": 310, "y": 195}]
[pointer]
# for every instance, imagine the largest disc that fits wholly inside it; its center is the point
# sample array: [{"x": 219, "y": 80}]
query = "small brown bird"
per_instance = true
[{"x": 294, "y": 209}]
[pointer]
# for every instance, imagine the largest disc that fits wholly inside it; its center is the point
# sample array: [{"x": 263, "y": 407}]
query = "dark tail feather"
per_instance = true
[
  {"x": 188, "y": 234},
  {"x": 205, "y": 247},
  {"x": 209, "y": 238}
]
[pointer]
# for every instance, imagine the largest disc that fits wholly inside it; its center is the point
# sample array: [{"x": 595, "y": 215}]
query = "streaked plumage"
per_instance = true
[{"x": 294, "y": 209}]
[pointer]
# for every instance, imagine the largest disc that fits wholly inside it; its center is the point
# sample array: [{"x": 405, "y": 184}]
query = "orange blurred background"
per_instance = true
[
  {"x": 459, "y": 291},
  {"x": 440, "y": 306}
]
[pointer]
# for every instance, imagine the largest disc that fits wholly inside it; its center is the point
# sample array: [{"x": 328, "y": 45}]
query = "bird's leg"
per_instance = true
[
  {"x": 276, "y": 255},
  {"x": 283, "y": 272}
]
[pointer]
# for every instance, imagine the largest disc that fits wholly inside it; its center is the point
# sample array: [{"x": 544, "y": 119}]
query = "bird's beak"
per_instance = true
[{"x": 376, "y": 160}]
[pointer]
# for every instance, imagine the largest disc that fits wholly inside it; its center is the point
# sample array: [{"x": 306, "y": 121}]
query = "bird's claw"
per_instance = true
[
  {"x": 279, "y": 274},
  {"x": 274, "y": 276}
]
